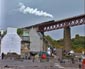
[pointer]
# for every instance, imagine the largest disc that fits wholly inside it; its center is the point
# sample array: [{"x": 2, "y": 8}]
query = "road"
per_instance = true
[{"x": 28, "y": 64}]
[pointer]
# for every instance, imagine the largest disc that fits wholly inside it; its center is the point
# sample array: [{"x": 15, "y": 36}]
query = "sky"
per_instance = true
[{"x": 23, "y": 13}]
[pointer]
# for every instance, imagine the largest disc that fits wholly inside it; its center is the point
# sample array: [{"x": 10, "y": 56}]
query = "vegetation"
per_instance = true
[
  {"x": 20, "y": 31},
  {"x": 4, "y": 32},
  {"x": 78, "y": 43}
]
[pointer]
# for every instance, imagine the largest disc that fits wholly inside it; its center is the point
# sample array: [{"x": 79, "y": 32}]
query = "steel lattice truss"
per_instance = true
[{"x": 54, "y": 25}]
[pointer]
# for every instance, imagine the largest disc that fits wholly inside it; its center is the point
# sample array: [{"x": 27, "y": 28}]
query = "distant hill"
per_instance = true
[{"x": 78, "y": 43}]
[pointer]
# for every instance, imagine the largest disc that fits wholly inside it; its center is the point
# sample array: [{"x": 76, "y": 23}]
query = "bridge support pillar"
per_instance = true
[
  {"x": 44, "y": 47},
  {"x": 42, "y": 40},
  {"x": 67, "y": 39}
]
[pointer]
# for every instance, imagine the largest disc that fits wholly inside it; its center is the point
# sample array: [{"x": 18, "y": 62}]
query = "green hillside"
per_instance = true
[{"x": 78, "y": 43}]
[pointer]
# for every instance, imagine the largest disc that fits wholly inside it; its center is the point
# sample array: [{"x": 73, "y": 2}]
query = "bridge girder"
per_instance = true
[{"x": 54, "y": 25}]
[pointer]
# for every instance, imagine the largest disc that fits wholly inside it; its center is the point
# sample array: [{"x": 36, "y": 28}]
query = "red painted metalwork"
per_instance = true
[
  {"x": 54, "y": 25},
  {"x": 83, "y": 64}
]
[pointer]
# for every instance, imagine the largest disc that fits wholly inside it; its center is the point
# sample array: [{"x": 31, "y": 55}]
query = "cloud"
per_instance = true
[{"x": 29, "y": 10}]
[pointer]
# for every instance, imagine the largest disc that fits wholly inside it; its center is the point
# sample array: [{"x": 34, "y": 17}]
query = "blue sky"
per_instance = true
[{"x": 60, "y": 9}]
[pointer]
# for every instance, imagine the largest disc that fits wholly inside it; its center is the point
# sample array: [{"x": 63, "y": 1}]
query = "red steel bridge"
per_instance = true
[
  {"x": 65, "y": 23},
  {"x": 54, "y": 25}
]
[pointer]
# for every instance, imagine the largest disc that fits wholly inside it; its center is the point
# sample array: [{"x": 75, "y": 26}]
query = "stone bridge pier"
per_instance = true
[{"x": 67, "y": 39}]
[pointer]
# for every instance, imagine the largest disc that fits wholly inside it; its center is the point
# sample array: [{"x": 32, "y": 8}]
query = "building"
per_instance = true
[
  {"x": 11, "y": 42},
  {"x": 25, "y": 45},
  {"x": 31, "y": 41}
]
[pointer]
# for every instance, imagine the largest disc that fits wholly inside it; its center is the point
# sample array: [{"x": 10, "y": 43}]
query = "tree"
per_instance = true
[
  {"x": 20, "y": 31},
  {"x": 2, "y": 34},
  {"x": 78, "y": 43},
  {"x": 77, "y": 36}
]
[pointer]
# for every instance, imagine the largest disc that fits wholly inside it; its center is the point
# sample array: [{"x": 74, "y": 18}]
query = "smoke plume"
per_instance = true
[{"x": 29, "y": 10}]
